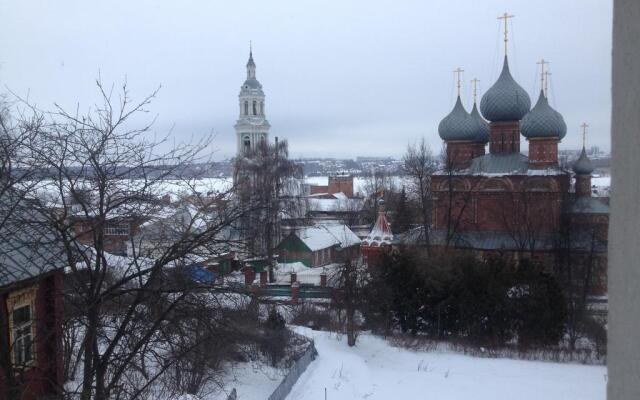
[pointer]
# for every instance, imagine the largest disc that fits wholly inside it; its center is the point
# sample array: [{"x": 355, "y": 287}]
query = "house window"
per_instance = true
[
  {"x": 246, "y": 108},
  {"x": 255, "y": 110},
  {"x": 22, "y": 322},
  {"x": 117, "y": 229}
]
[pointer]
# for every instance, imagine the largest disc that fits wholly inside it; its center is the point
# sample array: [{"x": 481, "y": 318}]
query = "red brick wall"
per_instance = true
[
  {"x": 342, "y": 184},
  {"x": 478, "y": 150},
  {"x": 499, "y": 204},
  {"x": 543, "y": 152},
  {"x": 316, "y": 189},
  {"x": 460, "y": 153},
  {"x": 583, "y": 185},
  {"x": 504, "y": 137}
]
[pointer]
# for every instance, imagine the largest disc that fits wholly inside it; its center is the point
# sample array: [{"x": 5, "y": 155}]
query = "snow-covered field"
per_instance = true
[{"x": 374, "y": 370}]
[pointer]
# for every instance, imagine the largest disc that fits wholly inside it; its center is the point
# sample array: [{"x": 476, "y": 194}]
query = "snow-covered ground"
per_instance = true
[
  {"x": 374, "y": 370},
  {"x": 252, "y": 381}
]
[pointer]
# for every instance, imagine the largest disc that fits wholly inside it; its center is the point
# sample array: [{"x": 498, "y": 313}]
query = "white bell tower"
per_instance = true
[{"x": 252, "y": 127}]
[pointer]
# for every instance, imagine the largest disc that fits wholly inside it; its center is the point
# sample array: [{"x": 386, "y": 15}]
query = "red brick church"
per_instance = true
[{"x": 503, "y": 201}]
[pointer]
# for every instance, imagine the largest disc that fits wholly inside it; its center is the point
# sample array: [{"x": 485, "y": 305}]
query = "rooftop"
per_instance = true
[
  {"x": 505, "y": 164},
  {"x": 320, "y": 237}
]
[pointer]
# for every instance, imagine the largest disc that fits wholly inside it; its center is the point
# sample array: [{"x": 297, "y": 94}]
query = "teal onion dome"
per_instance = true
[{"x": 505, "y": 100}]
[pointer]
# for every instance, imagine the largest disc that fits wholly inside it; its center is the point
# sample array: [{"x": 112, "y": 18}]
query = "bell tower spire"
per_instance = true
[
  {"x": 252, "y": 127},
  {"x": 251, "y": 65}
]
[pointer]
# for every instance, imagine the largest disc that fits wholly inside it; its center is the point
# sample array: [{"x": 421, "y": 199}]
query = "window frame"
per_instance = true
[{"x": 17, "y": 333}]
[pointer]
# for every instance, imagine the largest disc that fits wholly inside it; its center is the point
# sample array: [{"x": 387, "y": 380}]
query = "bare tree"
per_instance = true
[
  {"x": 102, "y": 167},
  {"x": 267, "y": 180},
  {"x": 350, "y": 280},
  {"x": 521, "y": 213},
  {"x": 419, "y": 166},
  {"x": 456, "y": 198},
  {"x": 579, "y": 251},
  {"x": 376, "y": 185}
]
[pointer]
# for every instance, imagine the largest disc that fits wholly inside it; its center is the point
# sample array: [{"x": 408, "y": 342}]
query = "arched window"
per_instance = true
[
  {"x": 262, "y": 108},
  {"x": 246, "y": 144},
  {"x": 255, "y": 111},
  {"x": 246, "y": 108}
]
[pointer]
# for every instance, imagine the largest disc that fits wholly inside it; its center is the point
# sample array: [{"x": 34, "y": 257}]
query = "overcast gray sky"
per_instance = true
[{"x": 342, "y": 78}]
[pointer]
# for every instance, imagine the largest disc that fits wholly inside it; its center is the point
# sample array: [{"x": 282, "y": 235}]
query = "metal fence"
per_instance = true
[{"x": 298, "y": 367}]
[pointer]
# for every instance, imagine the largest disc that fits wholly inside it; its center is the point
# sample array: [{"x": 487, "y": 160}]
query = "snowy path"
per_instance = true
[{"x": 374, "y": 370}]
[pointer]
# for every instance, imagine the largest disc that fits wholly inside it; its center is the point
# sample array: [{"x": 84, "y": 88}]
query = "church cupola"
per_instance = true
[
  {"x": 379, "y": 240},
  {"x": 252, "y": 127},
  {"x": 458, "y": 125},
  {"x": 458, "y": 130},
  {"x": 506, "y": 100},
  {"x": 543, "y": 127},
  {"x": 481, "y": 136},
  {"x": 504, "y": 104},
  {"x": 583, "y": 169}
]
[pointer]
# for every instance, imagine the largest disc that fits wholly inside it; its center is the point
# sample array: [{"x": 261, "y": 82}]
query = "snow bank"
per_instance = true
[{"x": 374, "y": 370}]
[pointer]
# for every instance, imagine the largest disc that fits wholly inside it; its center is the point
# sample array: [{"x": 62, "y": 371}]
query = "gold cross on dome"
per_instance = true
[
  {"x": 584, "y": 127},
  {"x": 458, "y": 71},
  {"x": 506, "y": 17},
  {"x": 474, "y": 82},
  {"x": 546, "y": 83},
  {"x": 542, "y": 63}
]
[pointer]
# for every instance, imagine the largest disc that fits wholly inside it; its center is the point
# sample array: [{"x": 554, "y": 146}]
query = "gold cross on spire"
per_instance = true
[
  {"x": 584, "y": 127},
  {"x": 458, "y": 71},
  {"x": 542, "y": 63},
  {"x": 506, "y": 17},
  {"x": 475, "y": 81},
  {"x": 546, "y": 83}
]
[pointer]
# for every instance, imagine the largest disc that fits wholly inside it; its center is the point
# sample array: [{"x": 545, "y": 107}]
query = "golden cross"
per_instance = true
[
  {"x": 542, "y": 62},
  {"x": 475, "y": 81},
  {"x": 506, "y": 17},
  {"x": 546, "y": 83},
  {"x": 458, "y": 71},
  {"x": 584, "y": 133}
]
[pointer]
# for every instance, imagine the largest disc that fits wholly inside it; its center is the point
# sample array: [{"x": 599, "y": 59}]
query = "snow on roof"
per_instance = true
[
  {"x": 320, "y": 237},
  {"x": 335, "y": 205},
  {"x": 304, "y": 274},
  {"x": 340, "y": 196},
  {"x": 504, "y": 164}
]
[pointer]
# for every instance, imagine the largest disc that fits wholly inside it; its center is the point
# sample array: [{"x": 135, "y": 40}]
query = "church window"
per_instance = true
[
  {"x": 255, "y": 103},
  {"x": 246, "y": 144},
  {"x": 246, "y": 108}
]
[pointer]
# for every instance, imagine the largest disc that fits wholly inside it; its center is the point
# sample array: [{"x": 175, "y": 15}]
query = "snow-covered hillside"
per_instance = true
[{"x": 374, "y": 370}]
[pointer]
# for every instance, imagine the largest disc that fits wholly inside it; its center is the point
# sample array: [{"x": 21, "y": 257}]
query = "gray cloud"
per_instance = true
[{"x": 341, "y": 78}]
